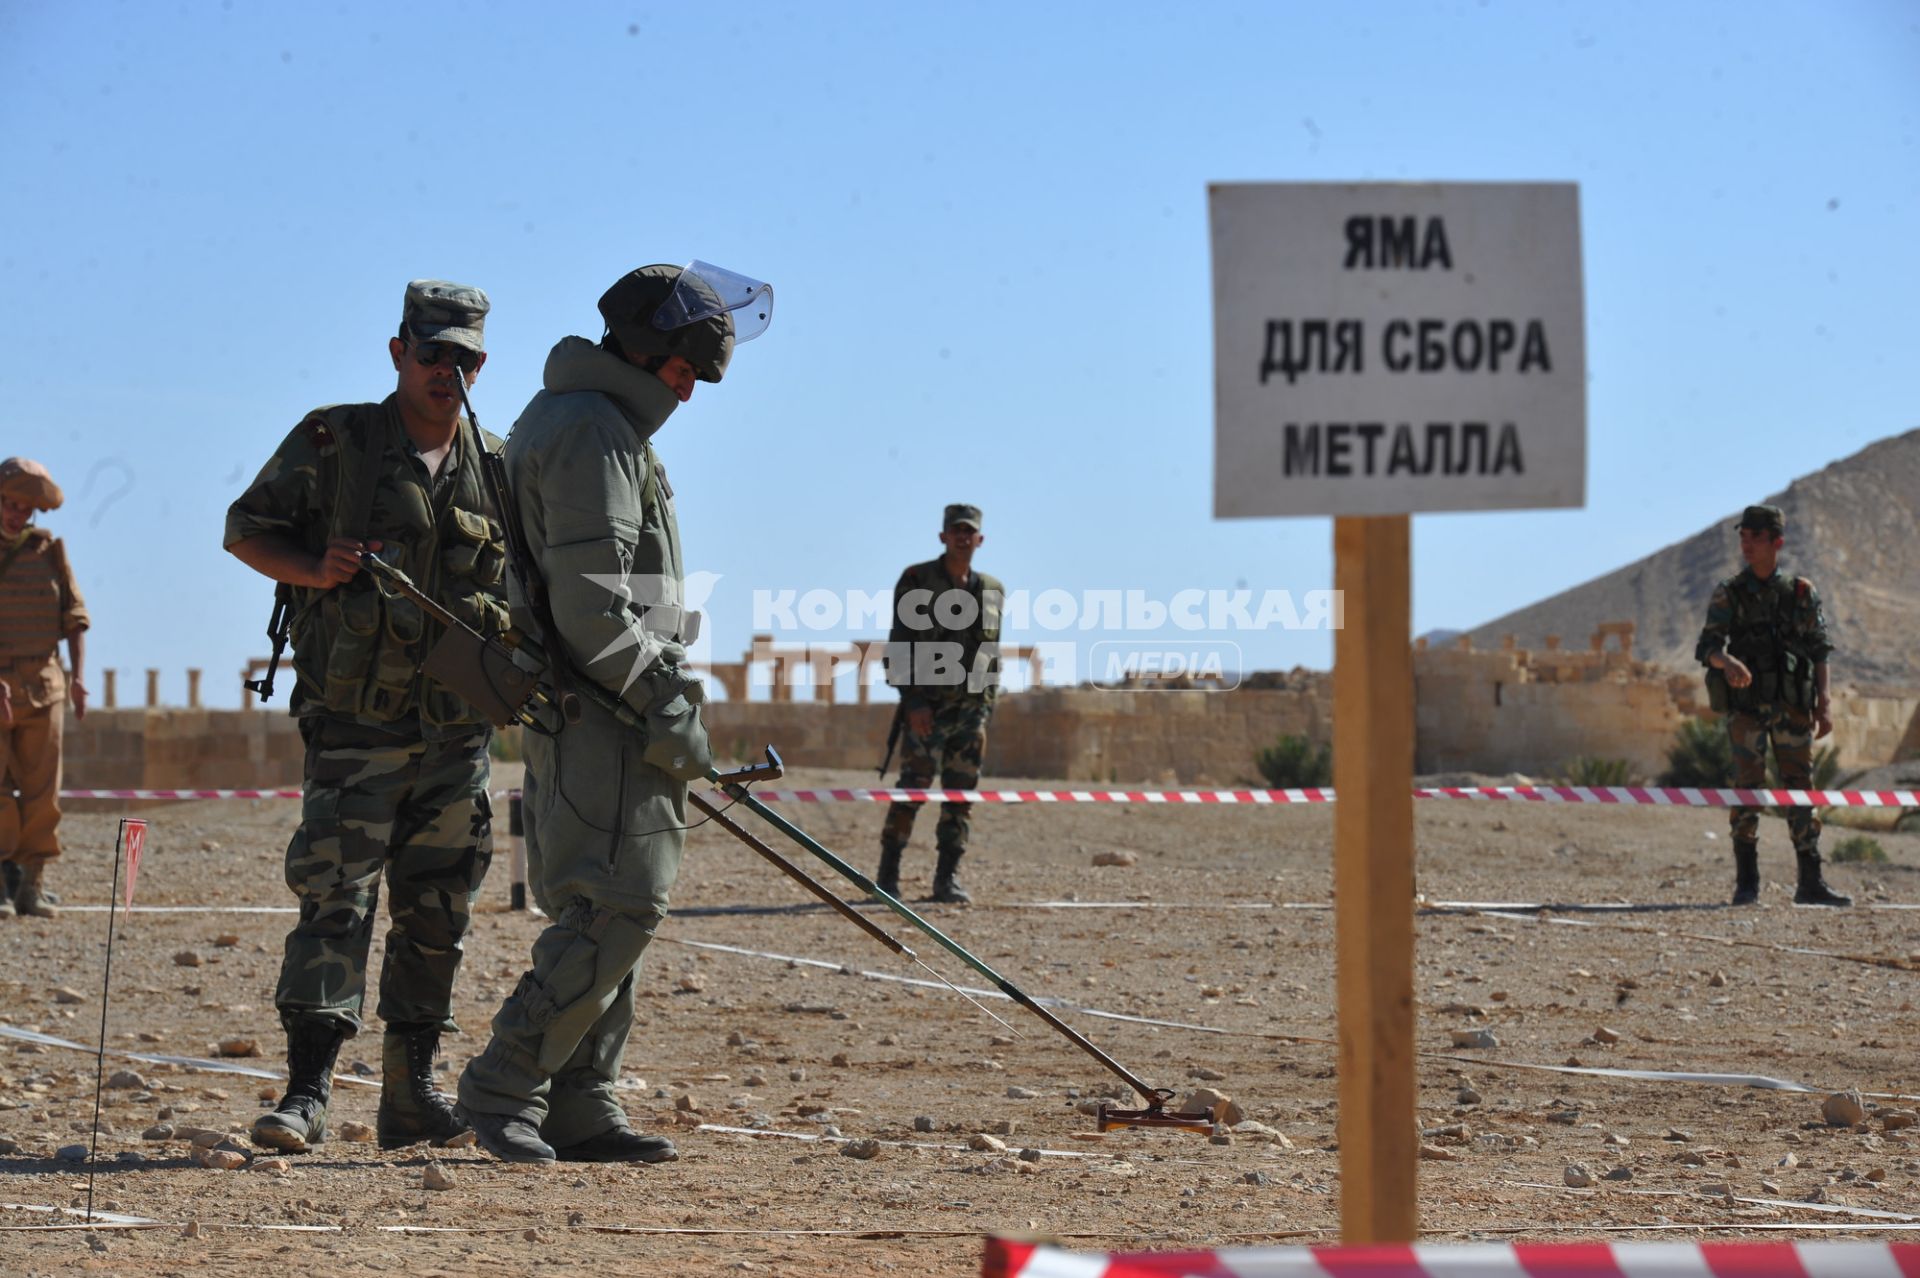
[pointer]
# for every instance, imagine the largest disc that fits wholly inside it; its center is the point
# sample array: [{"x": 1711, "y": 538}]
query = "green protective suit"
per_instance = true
[{"x": 604, "y": 828}]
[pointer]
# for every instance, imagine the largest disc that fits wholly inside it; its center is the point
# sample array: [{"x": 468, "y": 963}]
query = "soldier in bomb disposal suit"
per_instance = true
[
  {"x": 1765, "y": 647},
  {"x": 605, "y": 806},
  {"x": 39, "y": 606},
  {"x": 943, "y": 655},
  {"x": 396, "y": 766}
]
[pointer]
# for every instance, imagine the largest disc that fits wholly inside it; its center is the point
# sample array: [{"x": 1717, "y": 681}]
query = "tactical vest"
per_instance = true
[
  {"x": 32, "y": 596},
  {"x": 358, "y": 651},
  {"x": 989, "y": 596},
  {"x": 1763, "y": 636}
]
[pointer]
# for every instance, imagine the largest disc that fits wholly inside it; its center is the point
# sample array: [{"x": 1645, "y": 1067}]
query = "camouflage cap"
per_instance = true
[
  {"x": 1763, "y": 519},
  {"x": 437, "y": 311},
  {"x": 962, "y": 515},
  {"x": 28, "y": 482}
]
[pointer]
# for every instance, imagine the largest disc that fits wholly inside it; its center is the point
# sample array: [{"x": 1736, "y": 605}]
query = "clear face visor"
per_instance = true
[{"x": 704, "y": 290}]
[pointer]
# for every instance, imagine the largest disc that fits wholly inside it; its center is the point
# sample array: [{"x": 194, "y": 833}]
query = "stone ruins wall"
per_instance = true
[{"x": 1507, "y": 710}]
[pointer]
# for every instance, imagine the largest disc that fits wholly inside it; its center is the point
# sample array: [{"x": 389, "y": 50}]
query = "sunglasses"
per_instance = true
[{"x": 430, "y": 354}]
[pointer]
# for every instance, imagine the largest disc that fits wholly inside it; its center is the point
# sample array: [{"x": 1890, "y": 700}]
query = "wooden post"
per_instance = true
[{"x": 1373, "y": 880}]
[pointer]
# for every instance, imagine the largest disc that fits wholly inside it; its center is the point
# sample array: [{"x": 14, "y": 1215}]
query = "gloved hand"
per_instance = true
[{"x": 676, "y": 739}]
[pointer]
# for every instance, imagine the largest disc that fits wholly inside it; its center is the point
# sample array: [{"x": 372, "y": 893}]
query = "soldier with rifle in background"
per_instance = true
[
  {"x": 943, "y": 655},
  {"x": 1765, "y": 647}
]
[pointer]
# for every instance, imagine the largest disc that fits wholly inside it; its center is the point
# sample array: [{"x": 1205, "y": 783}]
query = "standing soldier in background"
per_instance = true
[
  {"x": 396, "y": 766},
  {"x": 943, "y": 655},
  {"x": 605, "y": 806},
  {"x": 39, "y": 606},
  {"x": 1765, "y": 648}
]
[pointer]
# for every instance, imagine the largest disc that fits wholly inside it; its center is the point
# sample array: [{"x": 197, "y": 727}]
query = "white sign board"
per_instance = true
[{"x": 1386, "y": 348}]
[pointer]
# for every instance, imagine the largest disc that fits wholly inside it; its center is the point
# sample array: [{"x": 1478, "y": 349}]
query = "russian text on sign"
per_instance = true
[{"x": 1386, "y": 348}]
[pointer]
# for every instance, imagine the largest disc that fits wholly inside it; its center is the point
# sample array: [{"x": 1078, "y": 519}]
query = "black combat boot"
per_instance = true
[
  {"x": 1746, "y": 873},
  {"x": 1813, "y": 889},
  {"x": 299, "y": 1121},
  {"x": 946, "y": 888},
  {"x": 618, "y": 1145},
  {"x": 507, "y": 1137},
  {"x": 411, "y": 1110},
  {"x": 887, "y": 877}
]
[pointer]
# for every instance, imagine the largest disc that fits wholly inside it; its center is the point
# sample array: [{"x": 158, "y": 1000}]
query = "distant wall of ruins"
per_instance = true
[
  {"x": 1535, "y": 710},
  {"x": 1507, "y": 710}
]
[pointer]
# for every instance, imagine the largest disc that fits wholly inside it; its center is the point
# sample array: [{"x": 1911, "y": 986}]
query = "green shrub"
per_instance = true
[
  {"x": 1700, "y": 756},
  {"x": 1860, "y": 848},
  {"x": 1295, "y": 763},
  {"x": 1587, "y": 770}
]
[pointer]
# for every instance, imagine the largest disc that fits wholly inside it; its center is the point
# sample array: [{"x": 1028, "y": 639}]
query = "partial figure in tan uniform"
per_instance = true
[{"x": 39, "y": 606}]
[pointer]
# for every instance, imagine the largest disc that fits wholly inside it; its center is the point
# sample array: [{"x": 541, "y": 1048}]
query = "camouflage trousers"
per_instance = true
[
  {"x": 953, "y": 749},
  {"x": 382, "y": 804},
  {"x": 1791, "y": 732}
]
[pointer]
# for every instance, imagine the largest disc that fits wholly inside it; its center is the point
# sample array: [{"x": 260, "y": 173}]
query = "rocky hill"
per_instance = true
[{"x": 1854, "y": 528}]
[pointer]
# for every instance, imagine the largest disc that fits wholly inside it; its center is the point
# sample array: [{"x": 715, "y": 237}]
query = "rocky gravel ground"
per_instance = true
[{"x": 835, "y": 1117}]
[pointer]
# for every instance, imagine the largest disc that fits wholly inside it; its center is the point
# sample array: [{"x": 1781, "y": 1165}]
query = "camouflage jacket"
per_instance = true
[
  {"x": 945, "y": 642},
  {"x": 1775, "y": 627},
  {"x": 357, "y": 651}
]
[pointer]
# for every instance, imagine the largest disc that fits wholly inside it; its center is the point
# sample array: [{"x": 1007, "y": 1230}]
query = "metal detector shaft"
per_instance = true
[
  {"x": 1155, "y": 1097},
  {"x": 798, "y": 875}
]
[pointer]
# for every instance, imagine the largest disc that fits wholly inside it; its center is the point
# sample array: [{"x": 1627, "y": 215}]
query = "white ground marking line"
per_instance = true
[{"x": 201, "y": 1063}]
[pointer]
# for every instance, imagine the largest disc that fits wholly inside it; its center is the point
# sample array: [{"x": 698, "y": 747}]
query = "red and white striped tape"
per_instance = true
[
  {"x": 1649, "y": 796},
  {"x": 1678, "y": 797},
  {"x": 1008, "y": 1259},
  {"x": 180, "y": 794}
]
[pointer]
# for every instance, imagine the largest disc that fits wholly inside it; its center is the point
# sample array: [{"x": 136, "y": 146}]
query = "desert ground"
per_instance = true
[{"x": 774, "y": 1038}]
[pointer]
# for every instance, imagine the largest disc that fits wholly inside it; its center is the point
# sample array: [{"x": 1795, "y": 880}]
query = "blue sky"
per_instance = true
[{"x": 986, "y": 227}]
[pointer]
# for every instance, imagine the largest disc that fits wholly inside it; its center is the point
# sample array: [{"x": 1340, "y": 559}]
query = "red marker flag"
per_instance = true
[{"x": 133, "y": 837}]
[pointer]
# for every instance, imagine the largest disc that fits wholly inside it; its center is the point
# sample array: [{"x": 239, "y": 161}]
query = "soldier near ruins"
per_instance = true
[
  {"x": 396, "y": 765},
  {"x": 943, "y": 657},
  {"x": 39, "y": 606},
  {"x": 1765, "y": 647}
]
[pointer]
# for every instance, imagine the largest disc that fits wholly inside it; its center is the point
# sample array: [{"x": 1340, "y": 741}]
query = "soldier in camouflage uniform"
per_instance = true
[
  {"x": 943, "y": 655},
  {"x": 1765, "y": 648},
  {"x": 605, "y": 805},
  {"x": 396, "y": 767}
]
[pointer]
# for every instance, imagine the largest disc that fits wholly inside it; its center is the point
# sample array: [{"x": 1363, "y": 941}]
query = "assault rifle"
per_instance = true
[
  {"x": 893, "y": 733},
  {"x": 500, "y": 680},
  {"x": 533, "y": 586},
  {"x": 279, "y": 626}
]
